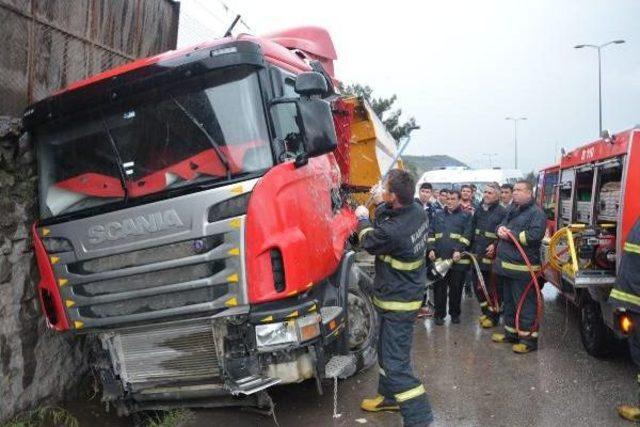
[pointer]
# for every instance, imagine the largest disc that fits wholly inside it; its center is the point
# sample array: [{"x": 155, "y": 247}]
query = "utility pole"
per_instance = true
[
  {"x": 515, "y": 137},
  {"x": 599, "y": 49}
]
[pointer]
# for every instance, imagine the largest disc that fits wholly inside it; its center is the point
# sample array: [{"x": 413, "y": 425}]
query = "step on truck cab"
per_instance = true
[
  {"x": 191, "y": 219},
  {"x": 591, "y": 200}
]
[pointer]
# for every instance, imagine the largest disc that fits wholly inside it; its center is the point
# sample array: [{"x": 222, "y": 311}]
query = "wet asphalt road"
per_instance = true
[{"x": 470, "y": 381}]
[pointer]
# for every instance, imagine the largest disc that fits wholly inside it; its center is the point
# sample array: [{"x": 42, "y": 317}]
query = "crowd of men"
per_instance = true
[{"x": 409, "y": 237}]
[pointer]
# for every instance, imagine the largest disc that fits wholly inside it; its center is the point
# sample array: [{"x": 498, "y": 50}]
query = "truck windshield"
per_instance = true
[{"x": 210, "y": 128}]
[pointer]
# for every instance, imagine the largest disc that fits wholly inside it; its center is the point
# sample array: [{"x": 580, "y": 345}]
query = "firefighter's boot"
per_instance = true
[
  {"x": 506, "y": 338},
  {"x": 629, "y": 412},
  {"x": 378, "y": 404},
  {"x": 525, "y": 346},
  {"x": 482, "y": 318},
  {"x": 487, "y": 323}
]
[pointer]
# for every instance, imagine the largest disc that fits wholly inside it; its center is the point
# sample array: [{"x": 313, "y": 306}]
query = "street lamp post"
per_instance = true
[
  {"x": 515, "y": 137},
  {"x": 599, "y": 48}
]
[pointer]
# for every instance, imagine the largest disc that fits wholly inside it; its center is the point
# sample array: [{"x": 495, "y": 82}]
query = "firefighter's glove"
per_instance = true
[{"x": 362, "y": 212}]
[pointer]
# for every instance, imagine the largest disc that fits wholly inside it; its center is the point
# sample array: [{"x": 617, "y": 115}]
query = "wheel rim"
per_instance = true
[
  {"x": 360, "y": 321},
  {"x": 588, "y": 326}
]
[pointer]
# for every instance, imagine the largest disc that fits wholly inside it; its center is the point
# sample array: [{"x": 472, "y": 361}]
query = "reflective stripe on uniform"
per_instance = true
[
  {"x": 410, "y": 394},
  {"x": 528, "y": 334},
  {"x": 431, "y": 239},
  {"x": 484, "y": 304},
  {"x": 459, "y": 238},
  {"x": 363, "y": 232},
  {"x": 396, "y": 264},
  {"x": 510, "y": 329},
  {"x": 631, "y": 247},
  {"x": 624, "y": 296},
  {"x": 438, "y": 235},
  {"x": 397, "y": 305},
  {"x": 463, "y": 261},
  {"x": 523, "y": 238},
  {"x": 519, "y": 267},
  {"x": 487, "y": 261},
  {"x": 488, "y": 234}
]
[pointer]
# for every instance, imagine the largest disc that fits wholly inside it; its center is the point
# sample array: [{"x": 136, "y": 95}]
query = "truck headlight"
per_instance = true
[
  {"x": 276, "y": 334},
  {"x": 290, "y": 332}
]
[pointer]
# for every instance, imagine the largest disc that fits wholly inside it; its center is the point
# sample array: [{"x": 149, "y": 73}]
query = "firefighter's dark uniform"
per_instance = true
[
  {"x": 398, "y": 239},
  {"x": 450, "y": 232},
  {"x": 484, "y": 225},
  {"x": 527, "y": 223},
  {"x": 626, "y": 294}
]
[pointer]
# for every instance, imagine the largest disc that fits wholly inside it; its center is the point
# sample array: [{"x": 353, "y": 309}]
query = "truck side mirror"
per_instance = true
[
  {"x": 311, "y": 83},
  {"x": 305, "y": 125}
]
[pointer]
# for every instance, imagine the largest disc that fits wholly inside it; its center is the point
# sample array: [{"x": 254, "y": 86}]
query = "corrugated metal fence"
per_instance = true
[{"x": 47, "y": 44}]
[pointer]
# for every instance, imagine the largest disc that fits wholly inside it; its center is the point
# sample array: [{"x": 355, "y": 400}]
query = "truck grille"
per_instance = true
[
  {"x": 189, "y": 277},
  {"x": 164, "y": 353}
]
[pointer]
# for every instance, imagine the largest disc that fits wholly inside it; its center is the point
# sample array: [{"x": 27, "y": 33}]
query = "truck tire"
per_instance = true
[
  {"x": 597, "y": 338},
  {"x": 363, "y": 320}
]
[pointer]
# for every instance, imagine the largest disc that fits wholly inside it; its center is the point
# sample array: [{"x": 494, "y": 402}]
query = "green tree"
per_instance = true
[
  {"x": 383, "y": 107},
  {"x": 532, "y": 177}
]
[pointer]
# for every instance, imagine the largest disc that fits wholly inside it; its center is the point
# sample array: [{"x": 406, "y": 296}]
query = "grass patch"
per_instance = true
[
  {"x": 173, "y": 418},
  {"x": 45, "y": 416}
]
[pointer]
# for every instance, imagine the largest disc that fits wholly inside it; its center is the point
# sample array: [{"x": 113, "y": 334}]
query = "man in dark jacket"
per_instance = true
[
  {"x": 398, "y": 239},
  {"x": 626, "y": 295},
  {"x": 526, "y": 222},
  {"x": 486, "y": 220},
  {"x": 449, "y": 236},
  {"x": 431, "y": 207}
]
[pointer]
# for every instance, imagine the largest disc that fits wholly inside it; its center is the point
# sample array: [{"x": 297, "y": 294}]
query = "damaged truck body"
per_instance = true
[{"x": 194, "y": 218}]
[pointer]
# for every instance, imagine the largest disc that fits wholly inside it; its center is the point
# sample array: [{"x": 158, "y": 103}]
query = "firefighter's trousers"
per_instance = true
[
  {"x": 512, "y": 292},
  {"x": 397, "y": 382},
  {"x": 451, "y": 285},
  {"x": 493, "y": 282}
]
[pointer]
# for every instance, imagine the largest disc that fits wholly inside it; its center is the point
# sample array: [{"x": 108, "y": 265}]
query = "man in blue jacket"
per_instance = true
[
  {"x": 397, "y": 238},
  {"x": 449, "y": 236},
  {"x": 527, "y": 223},
  {"x": 626, "y": 295}
]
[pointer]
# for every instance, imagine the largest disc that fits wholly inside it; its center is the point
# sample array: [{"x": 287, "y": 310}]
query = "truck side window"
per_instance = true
[
  {"x": 549, "y": 192},
  {"x": 287, "y": 129}
]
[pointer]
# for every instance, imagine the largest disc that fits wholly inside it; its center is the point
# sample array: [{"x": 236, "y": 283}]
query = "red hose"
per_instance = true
[{"x": 534, "y": 282}]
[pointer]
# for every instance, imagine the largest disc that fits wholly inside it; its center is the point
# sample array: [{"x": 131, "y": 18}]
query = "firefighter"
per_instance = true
[
  {"x": 626, "y": 294},
  {"x": 426, "y": 200},
  {"x": 449, "y": 236},
  {"x": 506, "y": 195},
  {"x": 467, "y": 201},
  {"x": 398, "y": 239},
  {"x": 485, "y": 223},
  {"x": 526, "y": 222}
]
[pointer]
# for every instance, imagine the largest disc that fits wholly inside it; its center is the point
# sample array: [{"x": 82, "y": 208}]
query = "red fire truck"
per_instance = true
[
  {"x": 193, "y": 219},
  {"x": 591, "y": 199}
]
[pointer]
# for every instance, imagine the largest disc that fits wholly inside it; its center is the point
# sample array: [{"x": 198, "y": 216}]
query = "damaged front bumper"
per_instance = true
[{"x": 226, "y": 356}]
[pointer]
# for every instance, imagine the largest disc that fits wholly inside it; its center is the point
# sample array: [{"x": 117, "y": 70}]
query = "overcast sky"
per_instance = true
[{"x": 461, "y": 67}]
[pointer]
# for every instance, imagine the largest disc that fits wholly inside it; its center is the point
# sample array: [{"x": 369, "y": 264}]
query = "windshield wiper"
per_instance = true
[
  {"x": 201, "y": 128},
  {"x": 123, "y": 175}
]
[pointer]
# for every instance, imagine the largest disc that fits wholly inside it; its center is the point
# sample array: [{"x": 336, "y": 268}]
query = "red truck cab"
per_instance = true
[{"x": 191, "y": 220}]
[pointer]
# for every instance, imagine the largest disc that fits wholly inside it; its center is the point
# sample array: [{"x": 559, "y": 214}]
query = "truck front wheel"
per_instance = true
[
  {"x": 363, "y": 322},
  {"x": 597, "y": 339}
]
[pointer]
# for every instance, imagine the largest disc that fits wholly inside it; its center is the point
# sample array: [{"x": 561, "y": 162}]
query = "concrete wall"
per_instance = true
[{"x": 48, "y": 44}]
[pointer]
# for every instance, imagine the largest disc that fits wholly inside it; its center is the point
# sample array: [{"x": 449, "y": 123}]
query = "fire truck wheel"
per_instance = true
[
  {"x": 363, "y": 323},
  {"x": 597, "y": 339}
]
